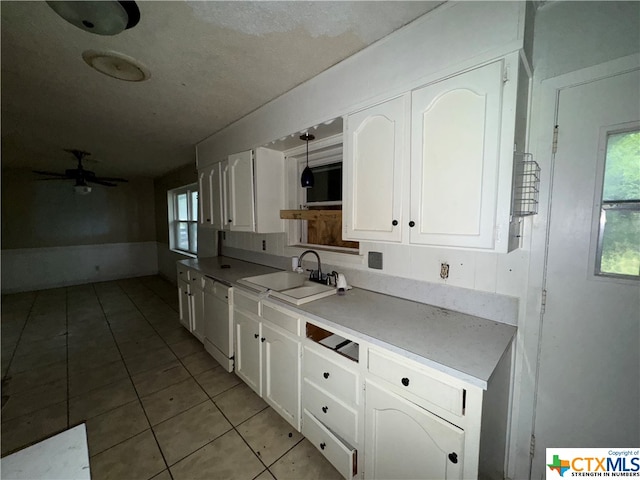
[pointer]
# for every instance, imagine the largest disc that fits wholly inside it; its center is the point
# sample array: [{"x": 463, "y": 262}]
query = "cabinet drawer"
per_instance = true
[
  {"x": 331, "y": 376},
  {"x": 245, "y": 301},
  {"x": 334, "y": 414},
  {"x": 417, "y": 382},
  {"x": 288, "y": 321},
  {"x": 343, "y": 457},
  {"x": 196, "y": 279},
  {"x": 222, "y": 291}
]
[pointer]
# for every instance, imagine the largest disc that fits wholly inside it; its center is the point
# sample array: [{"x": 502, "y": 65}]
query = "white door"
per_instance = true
[
  {"x": 375, "y": 151},
  {"x": 281, "y": 379},
  {"x": 405, "y": 441},
  {"x": 204, "y": 194},
  {"x": 184, "y": 302},
  {"x": 215, "y": 183},
  {"x": 588, "y": 392},
  {"x": 241, "y": 192},
  {"x": 248, "y": 360}
]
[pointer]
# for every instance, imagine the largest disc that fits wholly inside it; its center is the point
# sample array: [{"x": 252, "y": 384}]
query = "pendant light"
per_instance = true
[{"x": 306, "y": 180}]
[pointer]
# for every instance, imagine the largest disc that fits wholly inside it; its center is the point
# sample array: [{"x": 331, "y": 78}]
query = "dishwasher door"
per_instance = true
[{"x": 218, "y": 330}]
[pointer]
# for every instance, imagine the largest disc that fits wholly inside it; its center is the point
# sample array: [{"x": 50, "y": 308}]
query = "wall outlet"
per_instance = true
[
  {"x": 97, "y": 268},
  {"x": 444, "y": 271},
  {"x": 264, "y": 244},
  {"x": 375, "y": 260}
]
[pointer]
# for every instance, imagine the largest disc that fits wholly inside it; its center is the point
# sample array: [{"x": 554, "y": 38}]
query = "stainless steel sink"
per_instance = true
[{"x": 291, "y": 287}]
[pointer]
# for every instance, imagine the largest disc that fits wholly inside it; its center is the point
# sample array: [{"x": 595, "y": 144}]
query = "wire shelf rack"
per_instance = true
[{"x": 526, "y": 185}]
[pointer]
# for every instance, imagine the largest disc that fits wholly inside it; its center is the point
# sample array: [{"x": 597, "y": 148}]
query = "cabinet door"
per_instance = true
[
  {"x": 281, "y": 373},
  {"x": 269, "y": 190},
  {"x": 455, "y": 142},
  {"x": 184, "y": 303},
  {"x": 241, "y": 194},
  {"x": 215, "y": 184},
  {"x": 197, "y": 312},
  {"x": 248, "y": 361},
  {"x": 375, "y": 147},
  {"x": 404, "y": 441},
  {"x": 204, "y": 194}
]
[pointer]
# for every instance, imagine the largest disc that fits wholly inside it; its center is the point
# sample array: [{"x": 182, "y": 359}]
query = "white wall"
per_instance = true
[{"x": 30, "y": 269}]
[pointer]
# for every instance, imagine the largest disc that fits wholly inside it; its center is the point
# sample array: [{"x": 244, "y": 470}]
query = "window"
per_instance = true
[
  {"x": 618, "y": 253},
  {"x": 183, "y": 219}
]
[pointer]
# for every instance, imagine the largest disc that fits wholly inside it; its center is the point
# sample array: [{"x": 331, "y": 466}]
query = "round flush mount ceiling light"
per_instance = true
[
  {"x": 116, "y": 65},
  {"x": 108, "y": 17}
]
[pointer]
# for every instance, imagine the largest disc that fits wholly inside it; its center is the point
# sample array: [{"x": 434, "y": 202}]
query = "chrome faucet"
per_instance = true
[{"x": 316, "y": 275}]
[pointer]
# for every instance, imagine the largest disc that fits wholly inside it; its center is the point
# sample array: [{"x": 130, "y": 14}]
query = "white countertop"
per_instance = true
[{"x": 461, "y": 345}]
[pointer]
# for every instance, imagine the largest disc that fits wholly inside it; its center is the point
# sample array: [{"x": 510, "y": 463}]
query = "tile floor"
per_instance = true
[{"x": 156, "y": 405}]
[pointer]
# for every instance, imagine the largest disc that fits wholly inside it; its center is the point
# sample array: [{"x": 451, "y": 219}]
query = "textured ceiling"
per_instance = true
[{"x": 211, "y": 63}]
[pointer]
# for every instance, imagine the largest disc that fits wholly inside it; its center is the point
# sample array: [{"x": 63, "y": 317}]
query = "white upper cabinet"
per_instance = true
[
  {"x": 434, "y": 167},
  {"x": 251, "y": 191},
  {"x": 375, "y": 144},
  {"x": 455, "y": 140}
]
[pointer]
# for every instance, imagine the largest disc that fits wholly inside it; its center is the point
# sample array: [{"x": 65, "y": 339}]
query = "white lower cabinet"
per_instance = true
[
  {"x": 405, "y": 441},
  {"x": 184, "y": 303},
  {"x": 197, "y": 305}
]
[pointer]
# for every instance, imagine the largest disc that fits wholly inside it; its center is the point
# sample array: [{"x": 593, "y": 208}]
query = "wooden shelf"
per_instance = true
[{"x": 311, "y": 214}]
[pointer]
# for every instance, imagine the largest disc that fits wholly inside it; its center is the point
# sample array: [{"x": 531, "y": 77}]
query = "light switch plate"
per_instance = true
[{"x": 375, "y": 260}]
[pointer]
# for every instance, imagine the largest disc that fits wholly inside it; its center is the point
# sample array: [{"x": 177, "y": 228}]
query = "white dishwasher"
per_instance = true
[{"x": 218, "y": 322}]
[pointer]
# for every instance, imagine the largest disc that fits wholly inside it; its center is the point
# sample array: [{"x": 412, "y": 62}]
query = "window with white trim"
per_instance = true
[
  {"x": 618, "y": 252},
  {"x": 183, "y": 219}
]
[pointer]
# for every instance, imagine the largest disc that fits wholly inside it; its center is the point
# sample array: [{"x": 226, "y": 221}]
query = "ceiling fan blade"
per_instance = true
[
  {"x": 100, "y": 182},
  {"x": 113, "y": 179},
  {"x": 53, "y": 174}
]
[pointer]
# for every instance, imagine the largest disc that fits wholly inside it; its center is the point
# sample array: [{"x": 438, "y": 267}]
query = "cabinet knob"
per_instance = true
[
  {"x": 322, "y": 445},
  {"x": 255, "y": 335},
  {"x": 262, "y": 339},
  {"x": 324, "y": 409},
  {"x": 453, "y": 456},
  {"x": 230, "y": 220},
  {"x": 412, "y": 224},
  {"x": 394, "y": 223},
  {"x": 208, "y": 220},
  {"x": 325, "y": 374},
  {"x": 405, "y": 381}
]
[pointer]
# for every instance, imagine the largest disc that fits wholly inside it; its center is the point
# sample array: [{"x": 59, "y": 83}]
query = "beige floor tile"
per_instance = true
[
  {"x": 199, "y": 362},
  {"x": 187, "y": 347},
  {"x": 172, "y": 400},
  {"x": 239, "y": 403},
  {"x": 269, "y": 435},
  {"x": 304, "y": 462},
  {"x": 149, "y": 360},
  {"x": 89, "y": 359},
  {"x": 33, "y": 427},
  {"x": 176, "y": 335},
  {"x": 38, "y": 359},
  {"x": 152, "y": 381},
  {"x": 217, "y": 380},
  {"x": 137, "y": 458},
  {"x": 164, "y": 475},
  {"x": 87, "y": 380},
  {"x": 35, "y": 399},
  {"x": 115, "y": 426},
  {"x": 140, "y": 346},
  {"x": 35, "y": 378},
  {"x": 265, "y": 476},
  {"x": 101, "y": 400},
  {"x": 227, "y": 457},
  {"x": 29, "y": 348},
  {"x": 188, "y": 431}
]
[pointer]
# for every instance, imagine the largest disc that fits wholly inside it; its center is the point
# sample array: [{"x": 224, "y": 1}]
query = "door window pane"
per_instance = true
[{"x": 619, "y": 235}]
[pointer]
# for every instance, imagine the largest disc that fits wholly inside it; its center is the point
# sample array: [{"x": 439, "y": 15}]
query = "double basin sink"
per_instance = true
[{"x": 290, "y": 287}]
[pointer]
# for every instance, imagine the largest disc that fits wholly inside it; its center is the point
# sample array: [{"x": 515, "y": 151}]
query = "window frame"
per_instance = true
[
  {"x": 193, "y": 210},
  {"x": 602, "y": 206}
]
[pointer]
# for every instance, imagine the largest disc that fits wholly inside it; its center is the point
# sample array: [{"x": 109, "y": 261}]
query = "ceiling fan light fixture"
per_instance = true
[
  {"x": 116, "y": 65},
  {"x": 82, "y": 189},
  {"x": 306, "y": 180},
  {"x": 108, "y": 17}
]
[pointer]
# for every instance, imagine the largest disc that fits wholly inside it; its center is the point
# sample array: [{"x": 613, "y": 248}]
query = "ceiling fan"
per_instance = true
[{"x": 80, "y": 175}]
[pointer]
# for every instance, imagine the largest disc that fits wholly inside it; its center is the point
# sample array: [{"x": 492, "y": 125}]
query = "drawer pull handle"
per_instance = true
[
  {"x": 262, "y": 339},
  {"x": 322, "y": 445},
  {"x": 324, "y": 409},
  {"x": 255, "y": 335},
  {"x": 453, "y": 457},
  {"x": 325, "y": 374},
  {"x": 405, "y": 381}
]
